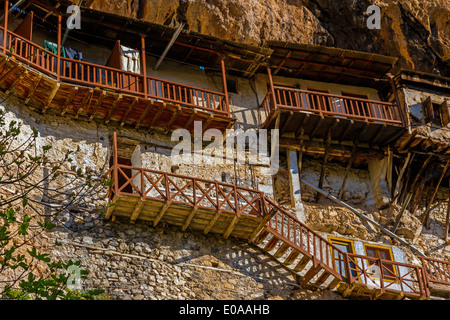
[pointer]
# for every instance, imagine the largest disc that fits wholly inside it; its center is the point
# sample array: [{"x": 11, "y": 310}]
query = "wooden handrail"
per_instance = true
[
  {"x": 55, "y": 66},
  {"x": 331, "y": 104},
  {"x": 436, "y": 271}
]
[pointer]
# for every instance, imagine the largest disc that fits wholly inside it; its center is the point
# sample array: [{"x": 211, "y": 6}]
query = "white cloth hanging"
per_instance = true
[{"x": 130, "y": 59}]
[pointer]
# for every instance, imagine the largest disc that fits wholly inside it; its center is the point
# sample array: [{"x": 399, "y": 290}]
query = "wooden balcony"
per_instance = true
[
  {"x": 374, "y": 122},
  {"x": 214, "y": 207},
  {"x": 83, "y": 89},
  {"x": 436, "y": 274}
]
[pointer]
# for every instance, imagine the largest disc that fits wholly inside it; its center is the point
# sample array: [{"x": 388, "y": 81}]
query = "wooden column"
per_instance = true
[
  {"x": 144, "y": 65},
  {"x": 5, "y": 32},
  {"x": 115, "y": 164},
  {"x": 58, "y": 66},
  {"x": 272, "y": 91},
  {"x": 394, "y": 91},
  {"x": 447, "y": 221},
  {"x": 224, "y": 82}
]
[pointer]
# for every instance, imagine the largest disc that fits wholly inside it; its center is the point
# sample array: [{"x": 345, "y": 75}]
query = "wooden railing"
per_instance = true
[
  {"x": 326, "y": 104},
  {"x": 386, "y": 275},
  {"x": 90, "y": 74},
  {"x": 286, "y": 227},
  {"x": 174, "y": 188},
  {"x": 436, "y": 271}
]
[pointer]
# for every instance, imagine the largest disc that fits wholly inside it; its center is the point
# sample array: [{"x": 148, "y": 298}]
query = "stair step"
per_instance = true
[
  {"x": 302, "y": 264},
  {"x": 271, "y": 244},
  {"x": 322, "y": 278},
  {"x": 261, "y": 236},
  {"x": 333, "y": 283},
  {"x": 291, "y": 257},
  {"x": 281, "y": 250},
  {"x": 311, "y": 273}
]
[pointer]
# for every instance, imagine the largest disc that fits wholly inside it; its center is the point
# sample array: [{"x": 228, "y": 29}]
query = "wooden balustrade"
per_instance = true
[
  {"x": 386, "y": 275},
  {"x": 436, "y": 271},
  {"x": 326, "y": 104},
  {"x": 90, "y": 74}
]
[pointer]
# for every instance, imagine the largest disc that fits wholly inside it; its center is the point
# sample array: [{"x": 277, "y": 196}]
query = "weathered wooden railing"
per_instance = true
[
  {"x": 436, "y": 271},
  {"x": 387, "y": 275},
  {"x": 91, "y": 74},
  {"x": 174, "y": 188},
  {"x": 293, "y": 232},
  {"x": 326, "y": 104}
]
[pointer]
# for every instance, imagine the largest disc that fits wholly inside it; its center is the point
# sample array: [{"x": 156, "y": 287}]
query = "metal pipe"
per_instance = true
[
  {"x": 363, "y": 216},
  {"x": 169, "y": 45}
]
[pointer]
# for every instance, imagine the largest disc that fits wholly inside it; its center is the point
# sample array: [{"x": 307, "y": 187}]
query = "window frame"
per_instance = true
[{"x": 391, "y": 255}]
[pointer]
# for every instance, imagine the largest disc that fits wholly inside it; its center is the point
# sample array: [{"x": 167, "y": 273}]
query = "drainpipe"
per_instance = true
[{"x": 363, "y": 216}]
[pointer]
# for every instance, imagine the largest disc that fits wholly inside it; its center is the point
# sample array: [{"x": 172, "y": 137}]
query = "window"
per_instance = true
[
  {"x": 345, "y": 246},
  {"x": 319, "y": 102},
  {"x": 286, "y": 97},
  {"x": 384, "y": 253},
  {"x": 436, "y": 113}
]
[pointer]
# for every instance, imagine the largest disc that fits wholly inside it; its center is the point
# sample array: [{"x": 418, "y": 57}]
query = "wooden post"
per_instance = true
[
  {"x": 394, "y": 91},
  {"x": 272, "y": 91},
  {"x": 425, "y": 216},
  {"x": 58, "y": 66},
  {"x": 224, "y": 82},
  {"x": 5, "y": 32},
  {"x": 325, "y": 161},
  {"x": 144, "y": 65},
  {"x": 349, "y": 166},
  {"x": 447, "y": 221},
  {"x": 115, "y": 164}
]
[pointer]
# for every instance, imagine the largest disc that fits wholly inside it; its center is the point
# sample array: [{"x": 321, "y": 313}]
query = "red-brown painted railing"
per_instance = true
[
  {"x": 326, "y": 104},
  {"x": 91, "y": 74},
  {"x": 436, "y": 271},
  {"x": 387, "y": 275}
]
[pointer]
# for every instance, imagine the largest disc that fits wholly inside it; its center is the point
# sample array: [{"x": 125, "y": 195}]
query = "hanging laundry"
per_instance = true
[
  {"x": 130, "y": 59},
  {"x": 74, "y": 54},
  {"x": 53, "y": 48}
]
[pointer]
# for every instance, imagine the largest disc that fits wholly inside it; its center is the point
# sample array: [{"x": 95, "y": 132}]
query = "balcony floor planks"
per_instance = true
[
  {"x": 177, "y": 214},
  {"x": 372, "y": 134},
  {"x": 45, "y": 85}
]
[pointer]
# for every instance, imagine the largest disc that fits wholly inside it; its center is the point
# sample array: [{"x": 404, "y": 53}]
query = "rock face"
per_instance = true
[{"x": 415, "y": 31}]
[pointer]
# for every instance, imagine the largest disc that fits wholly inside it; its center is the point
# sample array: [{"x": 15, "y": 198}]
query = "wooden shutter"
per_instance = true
[
  {"x": 428, "y": 110},
  {"x": 445, "y": 119}
]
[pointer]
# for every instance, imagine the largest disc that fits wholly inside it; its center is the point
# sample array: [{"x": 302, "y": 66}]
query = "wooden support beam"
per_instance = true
[
  {"x": 125, "y": 117},
  {"x": 346, "y": 131},
  {"x": 349, "y": 166},
  {"x": 317, "y": 126},
  {"x": 17, "y": 80},
  {"x": 286, "y": 122},
  {"x": 6, "y": 74},
  {"x": 87, "y": 96},
  {"x": 333, "y": 283},
  {"x": 110, "y": 208},
  {"x": 208, "y": 122},
  {"x": 322, "y": 171},
  {"x": 300, "y": 131},
  {"x": 36, "y": 82},
  {"x": 50, "y": 97},
  {"x": 113, "y": 108},
  {"x": 137, "y": 210},
  {"x": 212, "y": 222},
  {"x": 271, "y": 244},
  {"x": 189, "y": 218},
  {"x": 157, "y": 116},
  {"x": 144, "y": 114},
  {"x": 447, "y": 221},
  {"x": 400, "y": 176},
  {"x": 191, "y": 118},
  {"x": 260, "y": 238},
  {"x": 172, "y": 120},
  {"x": 426, "y": 213},
  {"x": 161, "y": 213},
  {"x": 69, "y": 100},
  {"x": 231, "y": 227},
  {"x": 262, "y": 224},
  {"x": 98, "y": 104}
]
